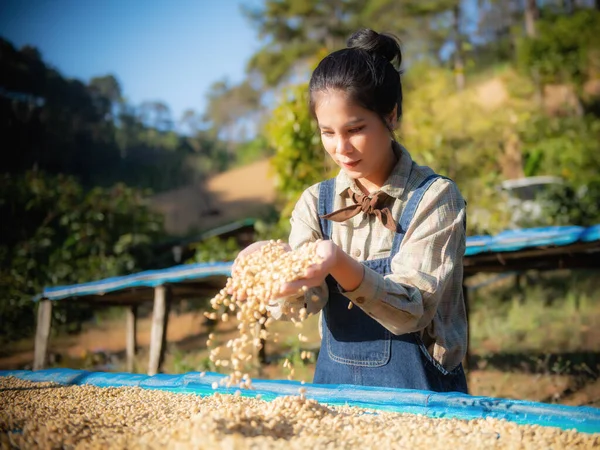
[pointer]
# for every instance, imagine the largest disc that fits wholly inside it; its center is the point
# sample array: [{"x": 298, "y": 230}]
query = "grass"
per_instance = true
[
  {"x": 534, "y": 326},
  {"x": 557, "y": 313},
  {"x": 540, "y": 341}
]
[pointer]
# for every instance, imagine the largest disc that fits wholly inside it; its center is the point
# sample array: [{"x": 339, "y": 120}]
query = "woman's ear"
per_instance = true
[{"x": 392, "y": 119}]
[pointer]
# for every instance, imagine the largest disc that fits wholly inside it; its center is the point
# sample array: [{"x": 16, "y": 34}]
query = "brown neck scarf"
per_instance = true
[{"x": 369, "y": 205}]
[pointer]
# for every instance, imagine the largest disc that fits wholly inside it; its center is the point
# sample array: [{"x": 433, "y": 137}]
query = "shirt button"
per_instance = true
[
  {"x": 357, "y": 252},
  {"x": 360, "y": 300}
]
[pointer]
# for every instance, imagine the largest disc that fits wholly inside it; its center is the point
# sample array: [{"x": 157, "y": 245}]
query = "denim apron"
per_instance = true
[{"x": 356, "y": 349}]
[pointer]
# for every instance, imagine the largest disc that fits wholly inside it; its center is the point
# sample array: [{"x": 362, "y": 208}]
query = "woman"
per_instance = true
[{"x": 393, "y": 236}]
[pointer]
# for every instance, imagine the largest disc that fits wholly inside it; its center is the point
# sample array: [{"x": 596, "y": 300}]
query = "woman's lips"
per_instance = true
[{"x": 350, "y": 164}]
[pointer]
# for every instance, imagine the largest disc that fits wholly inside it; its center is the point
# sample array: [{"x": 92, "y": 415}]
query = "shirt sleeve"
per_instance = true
[
  {"x": 423, "y": 270},
  {"x": 305, "y": 228}
]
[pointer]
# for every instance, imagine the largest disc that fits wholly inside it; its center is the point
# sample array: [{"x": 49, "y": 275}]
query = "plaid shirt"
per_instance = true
[{"x": 424, "y": 291}]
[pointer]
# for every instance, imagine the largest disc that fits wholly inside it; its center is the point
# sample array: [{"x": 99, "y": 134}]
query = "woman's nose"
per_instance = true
[{"x": 343, "y": 146}]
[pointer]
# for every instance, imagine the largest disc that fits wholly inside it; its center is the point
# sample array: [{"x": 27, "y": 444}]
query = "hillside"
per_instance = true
[{"x": 236, "y": 194}]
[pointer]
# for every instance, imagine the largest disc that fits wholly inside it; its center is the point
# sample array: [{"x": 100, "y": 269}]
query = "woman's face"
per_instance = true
[{"x": 356, "y": 138}]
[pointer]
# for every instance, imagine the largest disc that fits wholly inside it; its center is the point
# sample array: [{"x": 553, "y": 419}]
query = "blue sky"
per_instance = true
[{"x": 159, "y": 50}]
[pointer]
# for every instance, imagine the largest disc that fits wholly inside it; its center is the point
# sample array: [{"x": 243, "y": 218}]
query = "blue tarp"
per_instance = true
[
  {"x": 447, "y": 405},
  {"x": 591, "y": 234},
  {"x": 503, "y": 242},
  {"x": 478, "y": 244},
  {"x": 513, "y": 240},
  {"x": 149, "y": 278}
]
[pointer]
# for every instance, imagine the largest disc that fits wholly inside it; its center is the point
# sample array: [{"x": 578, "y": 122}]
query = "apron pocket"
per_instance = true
[
  {"x": 365, "y": 343},
  {"x": 429, "y": 359}
]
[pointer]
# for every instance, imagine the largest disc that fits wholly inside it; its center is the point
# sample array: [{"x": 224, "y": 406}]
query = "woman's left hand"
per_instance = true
[{"x": 315, "y": 275}]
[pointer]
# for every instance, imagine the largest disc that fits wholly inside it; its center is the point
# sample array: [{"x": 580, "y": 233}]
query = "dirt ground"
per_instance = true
[
  {"x": 187, "y": 334},
  {"x": 108, "y": 338}
]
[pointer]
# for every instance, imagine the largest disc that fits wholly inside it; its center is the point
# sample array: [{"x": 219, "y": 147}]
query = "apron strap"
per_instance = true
[
  {"x": 410, "y": 209},
  {"x": 326, "y": 195}
]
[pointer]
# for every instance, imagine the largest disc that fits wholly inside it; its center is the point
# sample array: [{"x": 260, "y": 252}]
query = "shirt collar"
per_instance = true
[{"x": 394, "y": 185}]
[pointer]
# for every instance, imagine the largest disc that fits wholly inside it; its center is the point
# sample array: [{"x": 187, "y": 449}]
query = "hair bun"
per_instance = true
[{"x": 375, "y": 43}]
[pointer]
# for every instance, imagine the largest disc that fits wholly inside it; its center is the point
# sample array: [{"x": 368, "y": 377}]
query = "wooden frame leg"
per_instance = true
[
  {"x": 42, "y": 334},
  {"x": 131, "y": 336},
  {"x": 160, "y": 315}
]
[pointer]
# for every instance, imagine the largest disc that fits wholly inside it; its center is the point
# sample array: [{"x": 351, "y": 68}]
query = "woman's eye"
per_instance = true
[
  {"x": 326, "y": 133},
  {"x": 355, "y": 130}
]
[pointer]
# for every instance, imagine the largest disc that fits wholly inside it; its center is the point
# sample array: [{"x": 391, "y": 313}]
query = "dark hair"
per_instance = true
[{"x": 365, "y": 72}]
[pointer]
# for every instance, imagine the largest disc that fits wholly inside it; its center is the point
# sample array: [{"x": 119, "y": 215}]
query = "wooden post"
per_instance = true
[
  {"x": 42, "y": 334},
  {"x": 131, "y": 336},
  {"x": 159, "y": 322},
  {"x": 466, "y": 362},
  {"x": 519, "y": 287}
]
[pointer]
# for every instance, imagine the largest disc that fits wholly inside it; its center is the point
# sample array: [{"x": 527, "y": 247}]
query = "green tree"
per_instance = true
[
  {"x": 567, "y": 147},
  {"x": 297, "y": 30},
  {"x": 532, "y": 14},
  {"x": 155, "y": 115},
  {"x": 299, "y": 159},
  {"x": 215, "y": 249},
  {"x": 231, "y": 109},
  {"x": 208, "y": 154},
  {"x": 253, "y": 150},
  {"x": 56, "y": 233},
  {"x": 434, "y": 24},
  {"x": 49, "y": 119},
  {"x": 107, "y": 94},
  {"x": 565, "y": 48},
  {"x": 107, "y": 86},
  {"x": 89, "y": 131}
]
